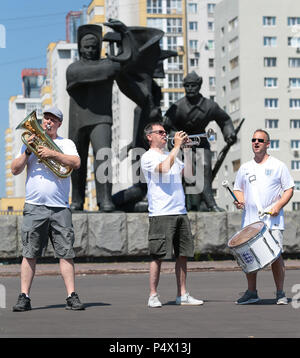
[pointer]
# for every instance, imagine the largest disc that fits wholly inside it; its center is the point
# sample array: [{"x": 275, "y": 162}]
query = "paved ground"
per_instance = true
[
  {"x": 132, "y": 267},
  {"x": 116, "y": 294}
]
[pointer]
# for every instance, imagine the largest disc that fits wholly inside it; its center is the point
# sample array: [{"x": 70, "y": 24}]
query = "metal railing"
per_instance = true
[{"x": 11, "y": 212}]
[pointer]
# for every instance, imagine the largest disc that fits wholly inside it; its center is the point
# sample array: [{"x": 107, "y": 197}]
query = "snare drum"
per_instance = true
[{"x": 254, "y": 247}]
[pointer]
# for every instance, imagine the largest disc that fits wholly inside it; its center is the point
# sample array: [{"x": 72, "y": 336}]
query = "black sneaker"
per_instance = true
[
  {"x": 281, "y": 299},
  {"x": 23, "y": 304},
  {"x": 73, "y": 302},
  {"x": 248, "y": 298}
]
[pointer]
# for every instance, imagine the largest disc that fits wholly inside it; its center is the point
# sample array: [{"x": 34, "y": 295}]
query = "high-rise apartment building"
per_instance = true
[
  {"x": 19, "y": 107},
  {"x": 257, "y": 72}
]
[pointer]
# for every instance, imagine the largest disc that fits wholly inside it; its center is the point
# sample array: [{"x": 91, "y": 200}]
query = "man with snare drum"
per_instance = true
[{"x": 264, "y": 182}]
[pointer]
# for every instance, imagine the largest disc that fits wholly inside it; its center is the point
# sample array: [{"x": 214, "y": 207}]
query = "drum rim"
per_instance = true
[{"x": 264, "y": 228}]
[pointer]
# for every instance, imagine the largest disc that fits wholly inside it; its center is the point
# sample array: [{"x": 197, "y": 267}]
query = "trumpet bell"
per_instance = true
[
  {"x": 32, "y": 126},
  {"x": 195, "y": 139}
]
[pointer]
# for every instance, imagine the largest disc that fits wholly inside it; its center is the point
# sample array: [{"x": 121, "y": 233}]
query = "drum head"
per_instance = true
[{"x": 247, "y": 233}]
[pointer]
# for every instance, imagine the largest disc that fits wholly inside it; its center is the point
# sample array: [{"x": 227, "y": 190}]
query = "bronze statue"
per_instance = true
[
  {"x": 136, "y": 81},
  {"x": 89, "y": 84},
  {"x": 192, "y": 114}
]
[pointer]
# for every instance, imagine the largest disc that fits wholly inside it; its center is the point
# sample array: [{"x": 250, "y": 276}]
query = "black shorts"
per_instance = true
[{"x": 170, "y": 235}]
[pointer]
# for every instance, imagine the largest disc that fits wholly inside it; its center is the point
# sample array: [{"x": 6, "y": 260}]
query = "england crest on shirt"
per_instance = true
[{"x": 268, "y": 172}]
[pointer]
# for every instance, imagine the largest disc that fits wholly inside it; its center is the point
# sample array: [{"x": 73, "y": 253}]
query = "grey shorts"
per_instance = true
[
  {"x": 278, "y": 236},
  {"x": 170, "y": 235},
  {"x": 42, "y": 222}
]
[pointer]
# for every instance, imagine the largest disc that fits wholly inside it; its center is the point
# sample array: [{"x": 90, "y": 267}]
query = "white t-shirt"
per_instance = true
[
  {"x": 42, "y": 186},
  {"x": 165, "y": 191},
  {"x": 272, "y": 178}
]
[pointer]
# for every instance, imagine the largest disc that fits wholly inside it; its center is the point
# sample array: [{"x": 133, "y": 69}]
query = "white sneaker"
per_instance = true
[
  {"x": 188, "y": 300},
  {"x": 154, "y": 301}
]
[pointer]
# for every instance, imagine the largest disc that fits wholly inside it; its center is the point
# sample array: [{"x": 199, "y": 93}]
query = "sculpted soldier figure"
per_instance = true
[
  {"x": 89, "y": 84},
  {"x": 192, "y": 114}
]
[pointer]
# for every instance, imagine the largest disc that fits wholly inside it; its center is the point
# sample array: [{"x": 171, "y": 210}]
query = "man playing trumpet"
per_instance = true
[
  {"x": 46, "y": 210},
  {"x": 169, "y": 224}
]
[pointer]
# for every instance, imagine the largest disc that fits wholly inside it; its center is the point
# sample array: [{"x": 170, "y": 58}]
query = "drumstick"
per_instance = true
[
  {"x": 226, "y": 185},
  {"x": 266, "y": 211}
]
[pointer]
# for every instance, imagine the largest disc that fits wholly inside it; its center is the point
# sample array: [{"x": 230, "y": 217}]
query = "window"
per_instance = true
[
  {"x": 272, "y": 123},
  {"x": 210, "y": 26},
  {"x": 193, "y": 25},
  {"x": 269, "y": 20},
  {"x": 297, "y": 185},
  {"x": 295, "y": 123},
  {"x": 233, "y": 43},
  {"x": 234, "y": 83},
  {"x": 211, "y": 9},
  {"x": 270, "y": 61},
  {"x": 154, "y": 6},
  {"x": 294, "y": 41},
  {"x": 294, "y": 61},
  {"x": 175, "y": 80},
  {"x": 223, "y": 91},
  {"x": 234, "y": 62},
  {"x": 271, "y": 102},
  {"x": 212, "y": 82},
  {"x": 296, "y": 206},
  {"x": 174, "y": 25},
  {"x": 233, "y": 24},
  {"x": 211, "y": 62},
  {"x": 270, "y": 41},
  {"x": 64, "y": 53},
  {"x": 295, "y": 164},
  {"x": 270, "y": 82},
  {"x": 192, "y": 8},
  {"x": 172, "y": 43},
  {"x": 193, "y": 44},
  {"x": 274, "y": 144},
  {"x": 211, "y": 44},
  {"x": 194, "y": 62},
  {"x": 155, "y": 22},
  {"x": 175, "y": 96},
  {"x": 295, "y": 103},
  {"x": 294, "y": 82},
  {"x": 236, "y": 165},
  {"x": 234, "y": 105},
  {"x": 175, "y": 63},
  {"x": 293, "y": 21},
  {"x": 174, "y": 6},
  {"x": 295, "y": 144}
]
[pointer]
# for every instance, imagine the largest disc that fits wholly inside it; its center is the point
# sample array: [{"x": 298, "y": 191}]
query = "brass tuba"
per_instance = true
[{"x": 32, "y": 126}]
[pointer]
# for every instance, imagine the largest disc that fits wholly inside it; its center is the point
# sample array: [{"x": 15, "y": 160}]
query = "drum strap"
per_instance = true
[{"x": 253, "y": 182}]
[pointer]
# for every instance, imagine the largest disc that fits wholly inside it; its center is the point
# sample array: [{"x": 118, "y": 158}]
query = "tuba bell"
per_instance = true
[{"x": 31, "y": 125}]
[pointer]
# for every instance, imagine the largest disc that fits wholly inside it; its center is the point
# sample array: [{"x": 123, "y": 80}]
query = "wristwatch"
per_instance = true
[{"x": 27, "y": 152}]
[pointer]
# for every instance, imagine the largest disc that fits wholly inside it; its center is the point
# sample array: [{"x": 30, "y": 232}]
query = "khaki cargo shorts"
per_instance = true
[{"x": 170, "y": 235}]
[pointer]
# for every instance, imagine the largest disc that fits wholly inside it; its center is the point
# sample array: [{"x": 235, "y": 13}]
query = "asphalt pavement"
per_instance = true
[{"x": 115, "y": 295}]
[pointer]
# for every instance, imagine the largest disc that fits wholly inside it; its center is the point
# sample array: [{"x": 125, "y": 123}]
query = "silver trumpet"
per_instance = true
[{"x": 195, "y": 139}]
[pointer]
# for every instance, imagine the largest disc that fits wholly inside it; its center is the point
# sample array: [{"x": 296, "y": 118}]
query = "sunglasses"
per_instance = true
[
  {"x": 161, "y": 132},
  {"x": 260, "y": 140}
]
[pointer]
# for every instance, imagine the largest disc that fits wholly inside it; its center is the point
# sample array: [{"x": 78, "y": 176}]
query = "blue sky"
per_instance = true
[{"x": 30, "y": 25}]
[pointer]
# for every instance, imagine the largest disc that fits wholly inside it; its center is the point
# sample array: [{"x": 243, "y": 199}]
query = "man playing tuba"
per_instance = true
[{"x": 46, "y": 210}]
